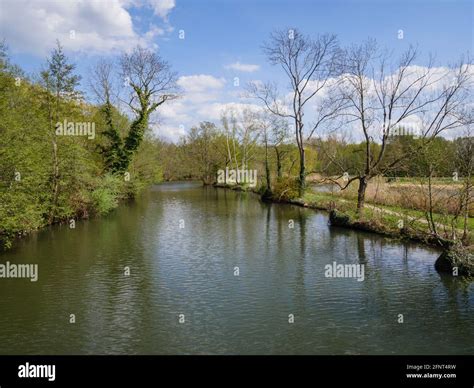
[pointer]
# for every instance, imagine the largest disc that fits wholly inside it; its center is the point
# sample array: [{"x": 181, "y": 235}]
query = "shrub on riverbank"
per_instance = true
[
  {"x": 339, "y": 219},
  {"x": 285, "y": 189},
  {"x": 106, "y": 196},
  {"x": 23, "y": 211}
]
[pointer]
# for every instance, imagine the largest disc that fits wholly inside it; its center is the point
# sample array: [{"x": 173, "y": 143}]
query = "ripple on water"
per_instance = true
[{"x": 191, "y": 271}]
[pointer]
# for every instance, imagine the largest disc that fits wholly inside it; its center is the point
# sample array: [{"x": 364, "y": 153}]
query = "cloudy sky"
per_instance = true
[{"x": 222, "y": 38}]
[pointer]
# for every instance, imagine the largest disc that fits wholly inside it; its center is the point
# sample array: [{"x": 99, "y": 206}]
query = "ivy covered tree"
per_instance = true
[{"x": 149, "y": 83}]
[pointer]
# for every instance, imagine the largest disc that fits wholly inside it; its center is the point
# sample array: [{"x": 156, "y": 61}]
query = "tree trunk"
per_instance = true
[
  {"x": 278, "y": 156},
  {"x": 55, "y": 176},
  {"x": 430, "y": 198},
  {"x": 267, "y": 169},
  {"x": 361, "y": 195},
  {"x": 269, "y": 185},
  {"x": 55, "y": 172},
  {"x": 466, "y": 208},
  {"x": 302, "y": 176}
]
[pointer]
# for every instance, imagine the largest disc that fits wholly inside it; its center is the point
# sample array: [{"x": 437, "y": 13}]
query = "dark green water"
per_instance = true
[{"x": 190, "y": 271}]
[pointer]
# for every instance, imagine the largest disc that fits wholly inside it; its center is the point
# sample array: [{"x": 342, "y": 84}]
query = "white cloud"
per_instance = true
[
  {"x": 175, "y": 111},
  {"x": 200, "y": 83},
  {"x": 246, "y": 68},
  {"x": 205, "y": 98},
  {"x": 201, "y": 91},
  {"x": 154, "y": 31},
  {"x": 162, "y": 7},
  {"x": 97, "y": 25}
]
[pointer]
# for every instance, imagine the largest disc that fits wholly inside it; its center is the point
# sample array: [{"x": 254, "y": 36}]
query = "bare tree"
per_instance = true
[
  {"x": 465, "y": 165},
  {"x": 242, "y": 133},
  {"x": 151, "y": 78},
  {"x": 229, "y": 123},
  {"x": 309, "y": 64},
  {"x": 381, "y": 99},
  {"x": 101, "y": 82},
  {"x": 265, "y": 127},
  {"x": 203, "y": 150},
  {"x": 248, "y": 129},
  {"x": 279, "y": 136}
]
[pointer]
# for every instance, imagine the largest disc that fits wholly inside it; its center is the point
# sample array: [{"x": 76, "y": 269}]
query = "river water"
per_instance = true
[{"x": 213, "y": 271}]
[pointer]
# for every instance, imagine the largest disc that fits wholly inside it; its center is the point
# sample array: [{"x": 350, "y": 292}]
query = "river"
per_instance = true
[{"x": 186, "y": 269}]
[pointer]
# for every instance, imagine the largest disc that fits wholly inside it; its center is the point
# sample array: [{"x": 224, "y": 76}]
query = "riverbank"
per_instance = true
[
  {"x": 107, "y": 193},
  {"x": 455, "y": 259}
]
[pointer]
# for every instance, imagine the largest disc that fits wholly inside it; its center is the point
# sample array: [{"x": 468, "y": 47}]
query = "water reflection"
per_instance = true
[{"x": 191, "y": 271}]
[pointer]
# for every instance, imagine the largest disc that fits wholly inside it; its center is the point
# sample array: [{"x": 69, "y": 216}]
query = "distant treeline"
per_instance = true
[
  {"x": 440, "y": 158},
  {"x": 210, "y": 147}
]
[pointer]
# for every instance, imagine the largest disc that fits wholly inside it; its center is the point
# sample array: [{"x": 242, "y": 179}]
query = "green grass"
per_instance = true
[
  {"x": 349, "y": 207},
  {"x": 434, "y": 181}
]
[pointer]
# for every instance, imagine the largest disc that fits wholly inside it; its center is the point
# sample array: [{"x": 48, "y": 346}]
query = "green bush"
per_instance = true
[
  {"x": 107, "y": 195},
  {"x": 286, "y": 189}
]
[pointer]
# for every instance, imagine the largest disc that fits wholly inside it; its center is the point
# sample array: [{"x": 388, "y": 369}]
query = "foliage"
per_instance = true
[
  {"x": 286, "y": 189},
  {"x": 46, "y": 178}
]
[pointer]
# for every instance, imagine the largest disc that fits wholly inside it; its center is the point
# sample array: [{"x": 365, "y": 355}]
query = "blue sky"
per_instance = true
[
  {"x": 221, "y": 34},
  {"x": 228, "y": 30}
]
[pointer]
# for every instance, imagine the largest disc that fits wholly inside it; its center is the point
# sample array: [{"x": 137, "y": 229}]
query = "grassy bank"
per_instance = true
[
  {"x": 386, "y": 215},
  {"x": 383, "y": 219}
]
